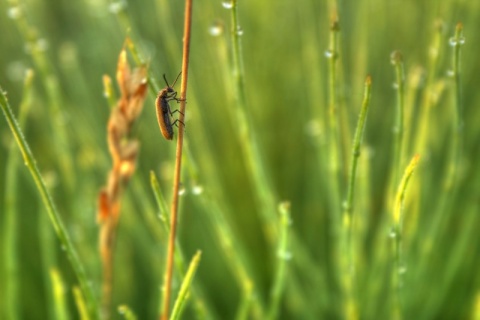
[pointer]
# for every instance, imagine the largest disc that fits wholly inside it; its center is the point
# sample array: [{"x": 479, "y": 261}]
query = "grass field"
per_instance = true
[{"x": 329, "y": 164}]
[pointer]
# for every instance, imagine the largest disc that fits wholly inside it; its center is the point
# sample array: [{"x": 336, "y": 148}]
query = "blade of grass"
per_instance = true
[
  {"x": 283, "y": 256},
  {"x": 348, "y": 217},
  {"x": 200, "y": 309},
  {"x": 57, "y": 223},
  {"x": 80, "y": 303},
  {"x": 37, "y": 46},
  {"x": 396, "y": 58},
  {"x": 127, "y": 312},
  {"x": 246, "y": 135},
  {"x": 398, "y": 216},
  {"x": 334, "y": 144},
  {"x": 10, "y": 231},
  {"x": 185, "y": 287},
  {"x": 58, "y": 287}
]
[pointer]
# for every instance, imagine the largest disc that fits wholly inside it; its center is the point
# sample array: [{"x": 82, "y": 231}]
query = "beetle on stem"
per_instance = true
[{"x": 163, "y": 109}]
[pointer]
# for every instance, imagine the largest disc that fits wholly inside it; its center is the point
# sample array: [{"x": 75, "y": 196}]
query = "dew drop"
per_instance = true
[
  {"x": 395, "y": 86},
  {"x": 402, "y": 270},
  {"x": 117, "y": 7},
  {"x": 227, "y": 4},
  {"x": 197, "y": 190},
  {"x": 215, "y": 30},
  {"x": 396, "y": 57},
  {"x": 454, "y": 41},
  {"x": 14, "y": 12},
  {"x": 392, "y": 233},
  {"x": 239, "y": 31},
  {"x": 329, "y": 54},
  {"x": 181, "y": 191},
  {"x": 450, "y": 73},
  {"x": 285, "y": 255}
]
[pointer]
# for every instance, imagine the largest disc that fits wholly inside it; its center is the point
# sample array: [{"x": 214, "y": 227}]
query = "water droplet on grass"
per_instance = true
[
  {"x": 227, "y": 4},
  {"x": 14, "y": 12},
  {"x": 239, "y": 31},
  {"x": 181, "y": 191},
  {"x": 216, "y": 29},
  {"x": 285, "y": 255},
  {"x": 454, "y": 41},
  {"x": 117, "y": 7},
  {"x": 392, "y": 233},
  {"x": 329, "y": 54},
  {"x": 197, "y": 190}
]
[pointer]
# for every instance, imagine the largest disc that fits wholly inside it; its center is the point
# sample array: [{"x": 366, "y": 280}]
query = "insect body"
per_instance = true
[{"x": 164, "y": 112}]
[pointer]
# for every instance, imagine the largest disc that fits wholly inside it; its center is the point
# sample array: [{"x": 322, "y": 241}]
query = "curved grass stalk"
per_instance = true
[
  {"x": 185, "y": 287},
  {"x": 246, "y": 134},
  {"x": 57, "y": 223},
  {"x": 396, "y": 234},
  {"x": 397, "y": 61},
  {"x": 283, "y": 256},
  {"x": 347, "y": 217},
  {"x": 10, "y": 231}
]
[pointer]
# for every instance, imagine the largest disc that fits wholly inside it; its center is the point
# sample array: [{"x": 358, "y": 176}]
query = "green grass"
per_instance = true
[{"x": 270, "y": 123}]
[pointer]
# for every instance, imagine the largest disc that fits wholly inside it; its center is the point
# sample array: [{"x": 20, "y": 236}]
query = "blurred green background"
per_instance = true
[{"x": 70, "y": 45}]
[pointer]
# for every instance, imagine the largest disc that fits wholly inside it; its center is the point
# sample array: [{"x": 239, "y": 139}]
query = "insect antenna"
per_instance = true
[{"x": 164, "y": 78}]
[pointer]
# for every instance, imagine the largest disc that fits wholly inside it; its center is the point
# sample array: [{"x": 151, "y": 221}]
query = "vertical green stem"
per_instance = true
[
  {"x": 348, "y": 218},
  {"x": 397, "y": 61},
  {"x": 283, "y": 256},
  {"x": 10, "y": 231},
  {"x": 185, "y": 287},
  {"x": 57, "y": 224},
  {"x": 396, "y": 235},
  {"x": 334, "y": 147},
  {"x": 246, "y": 135},
  {"x": 456, "y": 42},
  {"x": 421, "y": 137},
  {"x": 37, "y": 47}
]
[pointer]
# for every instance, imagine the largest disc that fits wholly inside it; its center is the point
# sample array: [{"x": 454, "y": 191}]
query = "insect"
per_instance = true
[{"x": 163, "y": 109}]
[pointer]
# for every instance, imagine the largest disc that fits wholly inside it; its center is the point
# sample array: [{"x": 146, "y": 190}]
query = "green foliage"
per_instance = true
[{"x": 275, "y": 91}]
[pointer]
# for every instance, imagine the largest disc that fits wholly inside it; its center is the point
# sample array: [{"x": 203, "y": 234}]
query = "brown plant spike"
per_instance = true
[{"x": 124, "y": 151}]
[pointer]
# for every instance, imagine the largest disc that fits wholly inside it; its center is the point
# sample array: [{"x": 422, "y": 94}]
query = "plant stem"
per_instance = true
[
  {"x": 178, "y": 160},
  {"x": 10, "y": 231},
  {"x": 57, "y": 224},
  {"x": 334, "y": 146},
  {"x": 283, "y": 255},
  {"x": 397, "y": 61},
  {"x": 348, "y": 218},
  {"x": 396, "y": 235},
  {"x": 456, "y": 42},
  {"x": 185, "y": 287},
  {"x": 246, "y": 134}
]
